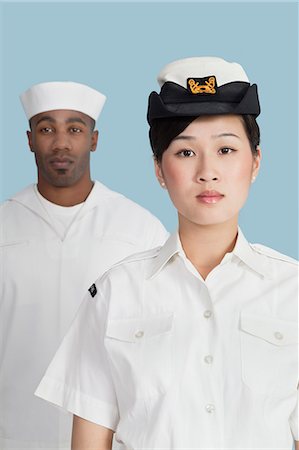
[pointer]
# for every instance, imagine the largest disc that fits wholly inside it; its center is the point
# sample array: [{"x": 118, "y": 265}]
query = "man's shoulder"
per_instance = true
[
  {"x": 17, "y": 198},
  {"x": 114, "y": 197},
  {"x": 128, "y": 217}
]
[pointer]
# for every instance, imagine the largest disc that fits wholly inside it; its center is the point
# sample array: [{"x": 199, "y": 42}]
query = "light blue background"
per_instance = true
[{"x": 119, "y": 48}]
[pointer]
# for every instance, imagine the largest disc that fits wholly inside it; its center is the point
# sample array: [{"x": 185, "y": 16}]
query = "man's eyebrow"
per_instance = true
[
  {"x": 76, "y": 119},
  {"x": 48, "y": 118},
  {"x": 69, "y": 120}
]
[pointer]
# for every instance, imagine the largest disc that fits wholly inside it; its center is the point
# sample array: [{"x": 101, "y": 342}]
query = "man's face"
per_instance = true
[{"x": 61, "y": 141}]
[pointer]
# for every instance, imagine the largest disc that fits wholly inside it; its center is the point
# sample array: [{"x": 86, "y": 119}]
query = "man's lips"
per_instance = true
[
  {"x": 210, "y": 197},
  {"x": 60, "y": 163}
]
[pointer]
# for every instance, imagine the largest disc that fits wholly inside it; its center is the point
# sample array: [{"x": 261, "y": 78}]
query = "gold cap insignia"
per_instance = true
[{"x": 207, "y": 85}]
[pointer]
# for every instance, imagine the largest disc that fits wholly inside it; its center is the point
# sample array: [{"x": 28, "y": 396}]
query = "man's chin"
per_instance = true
[{"x": 62, "y": 182}]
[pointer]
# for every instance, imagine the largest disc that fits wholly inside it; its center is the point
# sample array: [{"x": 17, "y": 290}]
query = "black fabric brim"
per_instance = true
[{"x": 175, "y": 101}]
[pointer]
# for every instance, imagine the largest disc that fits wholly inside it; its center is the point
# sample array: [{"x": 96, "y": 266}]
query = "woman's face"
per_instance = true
[{"x": 208, "y": 169}]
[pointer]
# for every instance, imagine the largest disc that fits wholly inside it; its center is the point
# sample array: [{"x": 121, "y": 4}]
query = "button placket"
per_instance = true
[{"x": 207, "y": 358}]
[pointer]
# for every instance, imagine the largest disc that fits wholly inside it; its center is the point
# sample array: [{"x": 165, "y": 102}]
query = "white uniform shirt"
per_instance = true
[
  {"x": 170, "y": 361},
  {"x": 61, "y": 217},
  {"x": 44, "y": 278}
]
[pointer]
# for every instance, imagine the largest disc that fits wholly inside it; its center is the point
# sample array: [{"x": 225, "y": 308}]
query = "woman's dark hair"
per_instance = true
[{"x": 163, "y": 131}]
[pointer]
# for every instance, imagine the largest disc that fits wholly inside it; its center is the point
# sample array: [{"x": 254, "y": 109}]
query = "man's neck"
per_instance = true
[
  {"x": 205, "y": 246},
  {"x": 65, "y": 196}
]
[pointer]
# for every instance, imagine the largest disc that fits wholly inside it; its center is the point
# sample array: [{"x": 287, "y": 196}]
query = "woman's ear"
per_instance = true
[
  {"x": 159, "y": 173},
  {"x": 256, "y": 164}
]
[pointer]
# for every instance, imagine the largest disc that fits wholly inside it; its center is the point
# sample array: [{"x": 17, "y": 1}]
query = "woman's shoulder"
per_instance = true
[
  {"x": 134, "y": 264},
  {"x": 274, "y": 255}
]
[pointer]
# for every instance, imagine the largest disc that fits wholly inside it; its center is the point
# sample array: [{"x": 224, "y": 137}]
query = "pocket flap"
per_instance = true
[
  {"x": 275, "y": 331},
  {"x": 135, "y": 330}
]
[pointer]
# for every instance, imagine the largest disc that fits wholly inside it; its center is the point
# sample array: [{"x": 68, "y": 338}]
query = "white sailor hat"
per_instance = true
[
  {"x": 62, "y": 95},
  {"x": 203, "y": 85}
]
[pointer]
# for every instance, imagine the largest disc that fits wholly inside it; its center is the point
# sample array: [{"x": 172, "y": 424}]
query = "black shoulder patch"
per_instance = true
[{"x": 93, "y": 290}]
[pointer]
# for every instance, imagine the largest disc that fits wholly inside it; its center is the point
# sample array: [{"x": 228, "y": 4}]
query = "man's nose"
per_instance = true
[{"x": 61, "y": 141}]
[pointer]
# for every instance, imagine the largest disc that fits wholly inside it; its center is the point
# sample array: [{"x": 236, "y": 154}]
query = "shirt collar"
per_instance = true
[
  {"x": 249, "y": 256},
  {"x": 171, "y": 247},
  {"x": 242, "y": 250}
]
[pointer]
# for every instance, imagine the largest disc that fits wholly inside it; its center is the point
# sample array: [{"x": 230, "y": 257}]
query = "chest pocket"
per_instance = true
[
  {"x": 141, "y": 355},
  {"x": 269, "y": 354}
]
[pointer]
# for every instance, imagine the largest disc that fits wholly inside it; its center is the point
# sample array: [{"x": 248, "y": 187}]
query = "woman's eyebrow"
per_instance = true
[
  {"x": 183, "y": 137},
  {"x": 215, "y": 136}
]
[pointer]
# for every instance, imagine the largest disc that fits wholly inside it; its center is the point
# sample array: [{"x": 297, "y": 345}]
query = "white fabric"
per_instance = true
[
  {"x": 60, "y": 216},
  {"x": 201, "y": 67},
  {"x": 62, "y": 95},
  {"x": 43, "y": 281},
  {"x": 171, "y": 361}
]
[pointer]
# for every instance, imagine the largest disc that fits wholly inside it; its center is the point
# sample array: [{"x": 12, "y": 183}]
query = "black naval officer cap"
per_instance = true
[{"x": 202, "y": 86}]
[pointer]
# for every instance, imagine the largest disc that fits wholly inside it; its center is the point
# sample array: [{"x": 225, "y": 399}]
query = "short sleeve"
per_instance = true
[
  {"x": 294, "y": 421},
  {"x": 78, "y": 378}
]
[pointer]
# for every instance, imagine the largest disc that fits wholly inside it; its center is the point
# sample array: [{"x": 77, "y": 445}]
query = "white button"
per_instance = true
[
  {"x": 210, "y": 408},
  {"x": 278, "y": 335},
  {"x": 207, "y": 314},
  {"x": 139, "y": 334},
  {"x": 208, "y": 359}
]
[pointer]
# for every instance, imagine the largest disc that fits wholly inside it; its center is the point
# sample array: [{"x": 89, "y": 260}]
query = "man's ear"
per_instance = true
[
  {"x": 94, "y": 140},
  {"x": 29, "y": 136}
]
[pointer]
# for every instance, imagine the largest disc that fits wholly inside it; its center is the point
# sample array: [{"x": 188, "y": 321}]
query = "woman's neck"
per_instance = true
[{"x": 206, "y": 245}]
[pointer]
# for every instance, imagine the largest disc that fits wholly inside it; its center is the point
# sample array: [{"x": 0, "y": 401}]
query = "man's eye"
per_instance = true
[
  {"x": 186, "y": 153},
  {"x": 46, "y": 130},
  {"x": 75, "y": 130},
  {"x": 225, "y": 151}
]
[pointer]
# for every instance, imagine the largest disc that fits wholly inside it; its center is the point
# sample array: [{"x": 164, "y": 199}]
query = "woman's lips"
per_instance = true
[{"x": 210, "y": 197}]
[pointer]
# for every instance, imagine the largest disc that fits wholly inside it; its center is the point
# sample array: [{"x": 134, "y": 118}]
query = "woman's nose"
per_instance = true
[{"x": 207, "y": 171}]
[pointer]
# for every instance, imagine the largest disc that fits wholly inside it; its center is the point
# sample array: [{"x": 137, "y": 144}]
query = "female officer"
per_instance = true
[{"x": 191, "y": 345}]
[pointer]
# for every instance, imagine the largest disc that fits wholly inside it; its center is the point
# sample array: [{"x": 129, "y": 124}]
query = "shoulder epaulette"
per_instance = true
[
  {"x": 274, "y": 254},
  {"x": 145, "y": 255}
]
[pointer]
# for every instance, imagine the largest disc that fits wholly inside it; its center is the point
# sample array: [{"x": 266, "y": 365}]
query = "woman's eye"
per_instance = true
[
  {"x": 186, "y": 153},
  {"x": 225, "y": 151}
]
